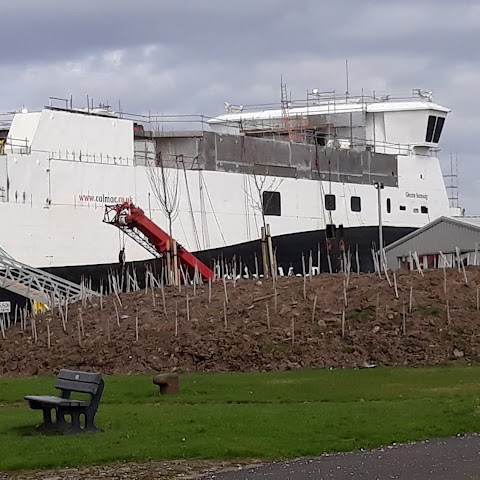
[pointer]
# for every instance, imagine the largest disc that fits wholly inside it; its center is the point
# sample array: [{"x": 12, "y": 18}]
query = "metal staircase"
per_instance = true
[
  {"x": 141, "y": 239},
  {"x": 38, "y": 285}
]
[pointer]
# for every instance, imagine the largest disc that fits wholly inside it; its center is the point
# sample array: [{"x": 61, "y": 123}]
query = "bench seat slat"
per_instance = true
[{"x": 56, "y": 401}]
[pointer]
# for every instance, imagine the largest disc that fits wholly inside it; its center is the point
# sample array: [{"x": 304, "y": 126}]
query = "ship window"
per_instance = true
[
  {"x": 389, "y": 205},
  {"x": 403, "y": 207},
  {"x": 415, "y": 210},
  {"x": 438, "y": 129},
  {"x": 271, "y": 203},
  {"x": 356, "y": 204},
  {"x": 424, "y": 209},
  {"x": 430, "y": 128},
  {"x": 330, "y": 202}
]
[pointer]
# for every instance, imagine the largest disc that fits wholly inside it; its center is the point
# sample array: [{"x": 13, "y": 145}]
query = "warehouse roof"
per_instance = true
[{"x": 472, "y": 223}]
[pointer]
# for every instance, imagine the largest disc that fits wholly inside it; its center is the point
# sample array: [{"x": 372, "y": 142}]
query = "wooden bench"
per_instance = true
[{"x": 69, "y": 381}]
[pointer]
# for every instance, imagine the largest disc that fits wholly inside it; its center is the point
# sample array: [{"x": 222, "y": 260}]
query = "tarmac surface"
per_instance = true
[{"x": 456, "y": 458}]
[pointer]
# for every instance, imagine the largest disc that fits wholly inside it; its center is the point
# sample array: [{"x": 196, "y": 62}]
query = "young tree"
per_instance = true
[
  {"x": 261, "y": 184},
  {"x": 164, "y": 184}
]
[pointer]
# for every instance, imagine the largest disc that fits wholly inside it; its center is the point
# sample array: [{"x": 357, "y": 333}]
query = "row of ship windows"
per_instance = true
[{"x": 272, "y": 204}]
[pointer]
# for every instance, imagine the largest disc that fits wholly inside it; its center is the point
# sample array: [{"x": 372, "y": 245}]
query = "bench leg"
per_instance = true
[
  {"x": 90, "y": 422},
  {"x": 75, "y": 426},
  {"x": 47, "y": 424},
  {"x": 61, "y": 425}
]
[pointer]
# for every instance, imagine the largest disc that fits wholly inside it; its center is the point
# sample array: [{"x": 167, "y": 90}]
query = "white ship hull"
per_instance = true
[{"x": 60, "y": 168}]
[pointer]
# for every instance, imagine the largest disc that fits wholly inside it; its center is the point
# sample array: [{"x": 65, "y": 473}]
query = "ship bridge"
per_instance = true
[{"x": 378, "y": 123}]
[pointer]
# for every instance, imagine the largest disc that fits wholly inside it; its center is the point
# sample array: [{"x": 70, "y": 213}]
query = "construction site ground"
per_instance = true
[{"x": 259, "y": 325}]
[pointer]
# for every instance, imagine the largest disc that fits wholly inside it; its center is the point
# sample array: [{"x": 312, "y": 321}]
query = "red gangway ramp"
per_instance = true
[{"x": 133, "y": 221}]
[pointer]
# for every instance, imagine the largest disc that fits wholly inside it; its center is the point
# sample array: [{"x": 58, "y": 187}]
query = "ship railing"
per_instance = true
[
  {"x": 165, "y": 124},
  {"x": 85, "y": 157},
  {"x": 332, "y": 97},
  {"x": 16, "y": 145}
]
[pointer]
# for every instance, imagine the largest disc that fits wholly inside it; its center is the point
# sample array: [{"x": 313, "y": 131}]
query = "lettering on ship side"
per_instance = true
[{"x": 424, "y": 196}]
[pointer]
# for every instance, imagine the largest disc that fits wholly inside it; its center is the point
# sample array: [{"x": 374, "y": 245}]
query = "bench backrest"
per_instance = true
[{"x": 81, "y": 382}]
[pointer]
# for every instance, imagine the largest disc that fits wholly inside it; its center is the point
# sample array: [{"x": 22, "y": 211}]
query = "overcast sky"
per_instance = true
[{"x": 189, "y": 56}]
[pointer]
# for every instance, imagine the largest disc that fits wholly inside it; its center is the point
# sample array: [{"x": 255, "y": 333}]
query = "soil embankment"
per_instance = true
[{"x": 240, "y": 335}]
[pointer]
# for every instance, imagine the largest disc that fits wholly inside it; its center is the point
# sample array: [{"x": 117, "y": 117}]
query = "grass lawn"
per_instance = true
[{"x": 247, "y": 415}]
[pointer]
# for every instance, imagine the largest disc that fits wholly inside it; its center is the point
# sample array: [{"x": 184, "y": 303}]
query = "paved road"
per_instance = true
[{"x": 455, "y": 458}]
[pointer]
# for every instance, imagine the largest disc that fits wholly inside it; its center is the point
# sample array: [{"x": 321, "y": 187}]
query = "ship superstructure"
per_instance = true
[{"x": 307, "y": 169}]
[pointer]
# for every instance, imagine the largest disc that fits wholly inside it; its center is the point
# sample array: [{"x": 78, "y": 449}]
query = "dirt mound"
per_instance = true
[{"x": 259, "y": 328}]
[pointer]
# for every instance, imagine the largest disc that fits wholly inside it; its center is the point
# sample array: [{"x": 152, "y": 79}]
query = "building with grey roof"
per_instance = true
[{"x": 444, "y": 242}]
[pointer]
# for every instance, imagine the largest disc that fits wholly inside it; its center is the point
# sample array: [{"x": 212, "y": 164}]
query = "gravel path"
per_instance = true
[{"x": 455, "y": 458}]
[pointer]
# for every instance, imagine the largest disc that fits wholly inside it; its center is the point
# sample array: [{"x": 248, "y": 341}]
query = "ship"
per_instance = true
[{"x": 317, "y": 174}]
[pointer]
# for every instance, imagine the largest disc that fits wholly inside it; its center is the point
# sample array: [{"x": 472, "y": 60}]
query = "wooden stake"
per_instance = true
[
  {"x": 271, "y": 262},
  {"x": 225, "y": 289},
  {"x": 343, "y": 323},
  {"x": 313, "y": 309},
  {"x": 34, "y": 327},
  {"x": 444, "y": 280},
  {"x": 195, "y": 277},
  {"x": 79, "y": 334},
  {"x": 448, "y": 313},
  {"x": 187, "y": 300},
  {"x": 136, "y": 327},
  {"x": 268, "y": 315},
  {"x": 395, "y": 284},
  {"x": 176, "y": 316},
  {"x": 108, "y": 327},
  {"x": 304, "y": 278},
  {"x": 310, "y": 266},
  {"x": 64, "y": 322},
  {"x": 464, "y": 274},
  {"x": 48, "y": 335},
  {"x": 147, "y": 281},
  {"x": 318, "y": 258},
  {"x": 410, "y": 300},
  {"x": 225, "y": 313},
  {"x": 81, "y": 321},
  {"x": 162, "y": 289},
  {"x": 2, "y": 326},
  {"x": 264, "y": 252},
  {"x": 404, "y": 319},
  {"x": 116, "y": 312},
  {"x": 344, "y": 291},
  {"x": 385, "y": 270},
  {"x": 176, "y": 278}
]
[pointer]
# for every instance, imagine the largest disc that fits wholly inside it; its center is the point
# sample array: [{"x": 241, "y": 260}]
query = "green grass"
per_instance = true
[{"x": 247, "y": 415}]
